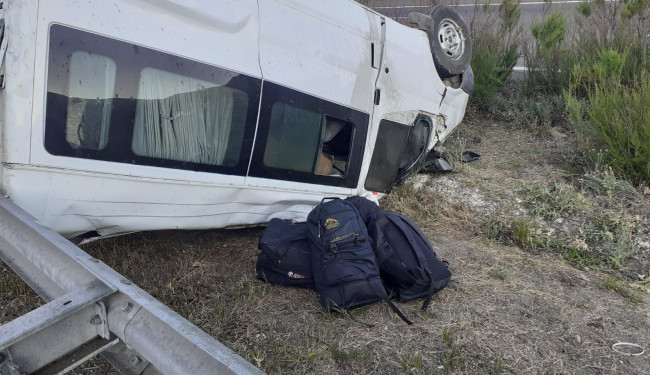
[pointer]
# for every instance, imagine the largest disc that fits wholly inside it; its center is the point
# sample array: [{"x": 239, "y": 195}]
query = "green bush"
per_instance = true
[
  {"x": 550, "y": 32},
  {"x": 548, "y": 59},
  {"x": 492, "y": 63},
  {"x": 616, "y": 119},
  {"x": 607, "y": 96},
  {"x": 495, "y": 45}
]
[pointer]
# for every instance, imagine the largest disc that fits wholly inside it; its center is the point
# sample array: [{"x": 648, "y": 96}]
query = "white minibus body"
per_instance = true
[{"x": 130, "y": 115}]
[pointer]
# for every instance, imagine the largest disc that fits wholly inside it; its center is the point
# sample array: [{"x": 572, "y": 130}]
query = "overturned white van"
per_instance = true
[{"x": 129, "y": 115}]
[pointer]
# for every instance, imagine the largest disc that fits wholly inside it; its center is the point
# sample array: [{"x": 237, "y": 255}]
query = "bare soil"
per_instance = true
[{"x": 514, "y": 306}]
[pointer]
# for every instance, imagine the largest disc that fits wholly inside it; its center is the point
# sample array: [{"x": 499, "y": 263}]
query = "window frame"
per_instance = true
[
  {"x": 273, "y": 93},
  {"x": 389, "y": 175},
  {"x": 122, "y": 119}
]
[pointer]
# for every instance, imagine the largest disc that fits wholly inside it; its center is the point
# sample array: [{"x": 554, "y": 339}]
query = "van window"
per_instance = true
[
  {"x": 117, "y": 101},
  {"x": 399, "y": 149},
  {"x": 307, "y": 139},
  {"x": 90, "y": 88},
  {"x": 297, "y": 127},
  {"x": 389, "y": 151},
  {"x": 185, "y": 119}
]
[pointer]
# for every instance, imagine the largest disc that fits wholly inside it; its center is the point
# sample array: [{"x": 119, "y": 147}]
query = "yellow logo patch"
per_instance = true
[{"x": 331, "y": 223}]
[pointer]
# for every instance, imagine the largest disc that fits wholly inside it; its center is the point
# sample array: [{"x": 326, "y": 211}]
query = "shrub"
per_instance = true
[
  {"x": 492, "y": 63},
  {"x": 548, "y": 60},
  {"x": 495, "y": 44},
  {"x": 606, "y": 98},
  {"x": 550, "y": 32},
  {"x": 616, "y": 120}
]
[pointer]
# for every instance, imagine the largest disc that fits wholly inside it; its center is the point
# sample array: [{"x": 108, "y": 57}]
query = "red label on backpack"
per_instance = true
[{"x": 293, "y": 275}]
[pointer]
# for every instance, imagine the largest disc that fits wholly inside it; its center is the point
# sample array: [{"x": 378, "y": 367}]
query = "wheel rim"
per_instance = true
[{"x": 450, "y": 36}]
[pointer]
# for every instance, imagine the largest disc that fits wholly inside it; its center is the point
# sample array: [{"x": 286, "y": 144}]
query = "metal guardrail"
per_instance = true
[{"x": 93, "y": 309}]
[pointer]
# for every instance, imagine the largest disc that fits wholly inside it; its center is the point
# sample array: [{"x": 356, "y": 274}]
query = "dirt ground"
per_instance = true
[{"x": 550, "y": 269}]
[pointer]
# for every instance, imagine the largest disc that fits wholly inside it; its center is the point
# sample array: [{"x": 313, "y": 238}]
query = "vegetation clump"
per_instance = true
[{"x": 593, "y": 69}]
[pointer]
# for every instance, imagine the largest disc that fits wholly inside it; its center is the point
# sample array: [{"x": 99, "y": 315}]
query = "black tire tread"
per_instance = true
[{"x": 446, "y": 66}]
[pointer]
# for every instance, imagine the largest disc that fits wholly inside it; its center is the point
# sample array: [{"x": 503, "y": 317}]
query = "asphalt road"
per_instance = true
[{"x": 532, "y": 11}]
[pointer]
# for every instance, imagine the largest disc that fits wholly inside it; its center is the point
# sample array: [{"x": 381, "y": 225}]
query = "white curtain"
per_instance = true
[
  {"x": 181, "y": 118},
  {"x": 90, "y": 88}
]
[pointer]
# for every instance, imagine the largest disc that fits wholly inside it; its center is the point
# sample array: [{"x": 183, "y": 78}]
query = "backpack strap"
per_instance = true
[
  {"x": 382, "y": 247},
  {"x": 427, "y": 299},
  {"x": 392, "y": 306},
  {"x": 320, "y": 211},
  {"x": 396, "y": 310},
  {"x": 435, "y": 285}
]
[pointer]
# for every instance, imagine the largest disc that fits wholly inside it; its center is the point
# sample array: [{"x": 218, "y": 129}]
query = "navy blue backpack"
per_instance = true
[
  {"x": 286, "y": 255},
  {"x": 346, "y": 270},
  {"x": 408, "y": 262}
]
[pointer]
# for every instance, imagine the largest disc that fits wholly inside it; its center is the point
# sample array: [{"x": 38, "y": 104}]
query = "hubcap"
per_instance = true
[{"x": 450, "y": 36}]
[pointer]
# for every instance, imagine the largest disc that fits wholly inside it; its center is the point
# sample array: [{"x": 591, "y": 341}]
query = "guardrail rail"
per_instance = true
[{"x": 91, "y": 309}]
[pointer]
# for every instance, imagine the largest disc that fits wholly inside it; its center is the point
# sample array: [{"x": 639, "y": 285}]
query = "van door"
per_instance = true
[
  {"x": 316, "y": 97},
  {"x": 408, "y": 93}
]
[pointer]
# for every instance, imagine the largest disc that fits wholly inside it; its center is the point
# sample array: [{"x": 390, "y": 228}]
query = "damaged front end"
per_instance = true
[
  {"x": 407, "y": 148},
  {"x": 428, "y": 90}
]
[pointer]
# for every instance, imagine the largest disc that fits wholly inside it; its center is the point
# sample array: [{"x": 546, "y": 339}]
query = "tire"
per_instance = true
[{"x": 451, "y": 45}]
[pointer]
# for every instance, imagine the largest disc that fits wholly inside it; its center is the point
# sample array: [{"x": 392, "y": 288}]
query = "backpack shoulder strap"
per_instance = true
[
  {"x": 392, "y": 306},
  {"x": 397, "y": 311},
  {"x": 412, "y": 225},
  {"x": 356, "y": 211},
  {"x": 376, "y": 233}
]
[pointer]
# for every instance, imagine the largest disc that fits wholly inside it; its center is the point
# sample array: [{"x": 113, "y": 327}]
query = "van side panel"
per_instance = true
[
  {"x": 344, "y": 14},
  {"x": 199, "y": 30},
  {"x": 111, "y": 204},
  {"x": 18, "y": 68},
  {"x": 75, "y": 195},
  {"x": 315, "y": 55},
  {"x": 411, "y": 82}
]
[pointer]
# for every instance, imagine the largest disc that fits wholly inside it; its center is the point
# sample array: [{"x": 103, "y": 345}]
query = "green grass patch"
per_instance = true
[
  {"x": 350, "y": 355},
  {"x": 555, "y": 201},
  {"x": 411, "y": 363},
  {"x": 615, "y": 284},
  {"x": 498, "y": 274},
  {"x": 584, "y": 259},
  {"x": 524, "y": 232},
  {"x": 607, "y": 184}
]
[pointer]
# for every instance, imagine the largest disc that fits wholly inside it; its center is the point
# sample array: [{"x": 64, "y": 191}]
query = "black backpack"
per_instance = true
[
  {"x": 286, "y": 255},
  {"x": 409, "y": 266},
  {"x": 368, "y": 209},
  {"x": 345, "y": 267}
]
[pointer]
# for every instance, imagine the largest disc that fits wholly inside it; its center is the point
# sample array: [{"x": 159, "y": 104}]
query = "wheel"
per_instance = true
[{"x": 451, "y": 45}]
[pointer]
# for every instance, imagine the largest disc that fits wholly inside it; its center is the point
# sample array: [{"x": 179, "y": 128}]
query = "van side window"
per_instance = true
[
  {"x": 186, "y": 119},
  {"x": 318, "y": 143},
  {"x": 399, "y": 148},
  {"x": 307, "y": 139},
  {"x": 90, "y": 89},
  {"x": 116, "y": 101},
  {"x": 386, "y": 158},
  {"x": 293, "y": 139}
]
